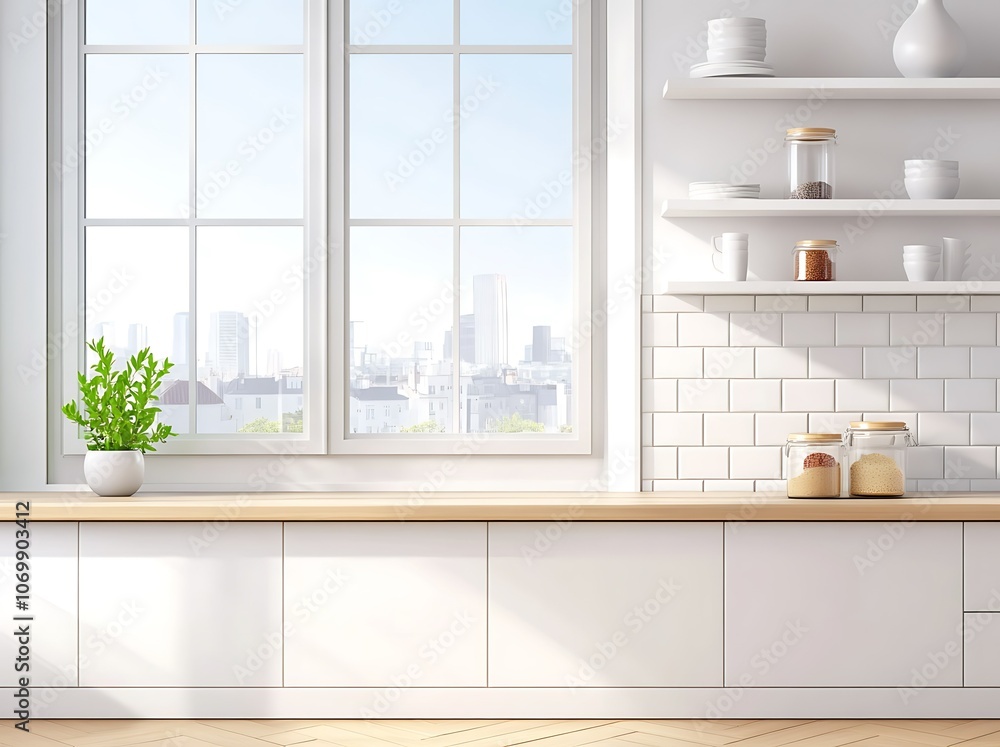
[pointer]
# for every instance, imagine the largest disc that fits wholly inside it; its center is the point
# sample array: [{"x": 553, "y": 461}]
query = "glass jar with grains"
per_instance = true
[
  {"x": 811, "y": 162},
  {"x": 812, "y": 465},
  {"x": 815, "y": 259},
  {"x": 877, "y": 455}
]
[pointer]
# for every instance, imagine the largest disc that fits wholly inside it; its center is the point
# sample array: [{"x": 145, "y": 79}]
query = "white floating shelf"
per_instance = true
[
  {"x": 832, "y": 208},
  {"x": 834, "y": 88},
  {"x": 837, "y": 288}
]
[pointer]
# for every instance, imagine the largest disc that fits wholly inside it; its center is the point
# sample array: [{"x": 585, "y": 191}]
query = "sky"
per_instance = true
[{"x": 516, "y": 139}]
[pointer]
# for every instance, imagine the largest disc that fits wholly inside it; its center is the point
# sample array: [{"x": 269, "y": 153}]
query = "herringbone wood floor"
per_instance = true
[{"x": 503, "y": 733}]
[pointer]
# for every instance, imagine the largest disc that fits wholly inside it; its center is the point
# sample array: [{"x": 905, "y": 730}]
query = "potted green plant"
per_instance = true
[{"x": 119, "y": 419}]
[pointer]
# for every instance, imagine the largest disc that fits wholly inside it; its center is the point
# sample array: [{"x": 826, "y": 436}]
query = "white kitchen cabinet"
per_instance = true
[
  {"x": 53, "y": 566},
  {"x": 853, "y": 604},
  {"x": 982, "y": 566},
  {"x": 596, "y": 604},
  {"x": 180, "y": 604},
  {"x": 982, "y": 649},
  {"x": 385, "y": 604}
]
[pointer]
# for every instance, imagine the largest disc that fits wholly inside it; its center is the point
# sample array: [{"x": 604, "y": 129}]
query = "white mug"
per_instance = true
[{"x": 734, "y": 253}]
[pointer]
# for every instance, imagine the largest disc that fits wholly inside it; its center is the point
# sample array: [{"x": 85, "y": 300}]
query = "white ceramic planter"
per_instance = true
[
  {"x": 114, "y": 473},
  {"x": 930, "y": 44}
]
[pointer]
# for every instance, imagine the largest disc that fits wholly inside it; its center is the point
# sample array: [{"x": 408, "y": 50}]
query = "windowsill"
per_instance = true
[{"x": 541, "y": 506}]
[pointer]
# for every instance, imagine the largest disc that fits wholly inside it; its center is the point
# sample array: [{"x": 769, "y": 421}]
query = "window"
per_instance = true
[
  {"x": 468, "y": 200},
  {"x": 208, "y": 150}
]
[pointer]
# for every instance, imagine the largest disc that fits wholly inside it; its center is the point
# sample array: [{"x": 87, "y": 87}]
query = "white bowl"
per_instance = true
[
  {"x": 755, "y": 36},
  {"x": 917, "y": 272},
  {"x": 932, "y": 188},
  {"x": 736, "y": 54},
  {"x": 734, "y": 22},
  {"x": 921, "y": 251},
  {"x": 739, "y": 42},
  {"x": 930, "y": 164},
  {"x": 931, "y": 173}
]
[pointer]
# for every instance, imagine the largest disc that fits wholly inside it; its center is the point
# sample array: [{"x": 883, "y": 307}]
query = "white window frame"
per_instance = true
[
  {"x": 585, "y": 222},
  {"x": 67, "y": 224}
]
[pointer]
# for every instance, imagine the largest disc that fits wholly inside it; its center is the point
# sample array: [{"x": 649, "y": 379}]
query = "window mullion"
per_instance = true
[
  {"x": 192, "y": 321},
  {"x": 456, "y": 247}
]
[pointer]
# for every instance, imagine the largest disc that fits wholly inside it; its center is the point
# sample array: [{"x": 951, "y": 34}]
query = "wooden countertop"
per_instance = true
[{"x": 56, "y": 506}]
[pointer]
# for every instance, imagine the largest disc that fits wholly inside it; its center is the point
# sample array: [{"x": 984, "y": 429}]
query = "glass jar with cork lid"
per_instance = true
[
  {"x": 813, "y": 465},
  {"x": 811, "y": 162},
  {"x": 815, "y": 260},
  {"x": 877, "y": 455}
]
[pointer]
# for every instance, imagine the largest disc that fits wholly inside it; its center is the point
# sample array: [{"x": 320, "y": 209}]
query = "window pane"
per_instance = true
[
  {"x": 401, "y": 340},
  {"x": 250, "y": 21},
  {"x": 402, "y": 22},
  {"x": 250, "y": 147},
  {"x": 131, "y": 22},
  {"x": 518, "y": 21},
  {"x": 251, "y": 329},
  {"x": 517, "y": 293},
  {"x": 517, "y": 136},
  {"x": 137, "y": 297},
  {"x": 136, "y": 142},
  {"x": 402, "y": 124}
]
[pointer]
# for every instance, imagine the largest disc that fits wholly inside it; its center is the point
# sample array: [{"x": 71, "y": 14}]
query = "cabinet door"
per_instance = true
[
  {"x": 826, "y": 604},
  {"x": 52, "y": 591},
  {"x": 605, "y": 604},
  {"x": 982, "y": 649},
  {"x": 982, "y": 566},
  {"x": 177, "y": 604},
  {"x": 385, "y": 604}
]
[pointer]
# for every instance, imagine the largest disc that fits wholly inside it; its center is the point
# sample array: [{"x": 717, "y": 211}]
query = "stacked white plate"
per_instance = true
[
  {"x": 736, "y": 47},
  {"x": 723, "y": 191},
  {"x": 931, "y": 179}
]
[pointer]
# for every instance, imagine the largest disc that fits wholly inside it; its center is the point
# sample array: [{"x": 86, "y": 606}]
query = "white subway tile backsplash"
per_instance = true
[
  {"x": 925, "y": 462},
  {"x": 686, "y": 304},
  {"x": 862, "y": 329},
  {"x": 647, "y": 485},
  {"x": 703, "y": 330},
  {"x": 782, "y": 304},
  {"x": 890, "y": 363},
  {"x": 729, "y": 363},
  {"x": 755, "y": 463},
  {"x": 730, "y": 429},
  {"x": 984, "y": 486},
  {"x": 943, "y": 429},
  {"x": 968, "y": 462},
  {"x": 772, "y": 429},
  {"x": 862, "y": 394},
  {"x": 647, "y": 304},
  {"x": 916, "y": 329},
  {"x": 703, "y": 395},
  {"x": 755, "y": 395},
  {"x": 986, "y": 303},
  {"x": 659, "y": 395},
  {"x": 970, "y": 329},
  {"x": 835, "y": 363},
  {"x": 659, "y": 330},
  {"x": 916, "y": 395},
  {"x": 647, "y": 429},
  {"x": 782, "y": 363},
  {"x": 943, "y": 363},
  {"x": 659, "y": 463},
  {"x": 812, "y": 395},
  {"x": 716, "y": 304},
  {"x": 677, "y": 429},
  {"x": 835, "y": 303},
  {"x": 646, "y": 362},
  {"x": 985, "y": 429},
  {"x": 771, "y": 487},
  {"x": 703, "y": 463},
  {"x": 942, "y": 304},
  {"x": 678, "y": 486},
  {"x": 890, "y": 303},
  {"x": 755, "y": 330},
  {"x": 728, "y": 486},
  {"x": 941, "y": 486},
  {"x": 970, "y": 395},
  {"x": 808, "y": 330},
  {"x": 677, "y": 363},
  {"x": 986, "y": 363},
  {"x": 832, "y": 422}
]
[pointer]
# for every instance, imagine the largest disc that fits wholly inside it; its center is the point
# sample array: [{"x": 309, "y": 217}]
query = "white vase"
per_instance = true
[
  {"x": 114, "y": 473},
  {"x": 930, "y": 44}
]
